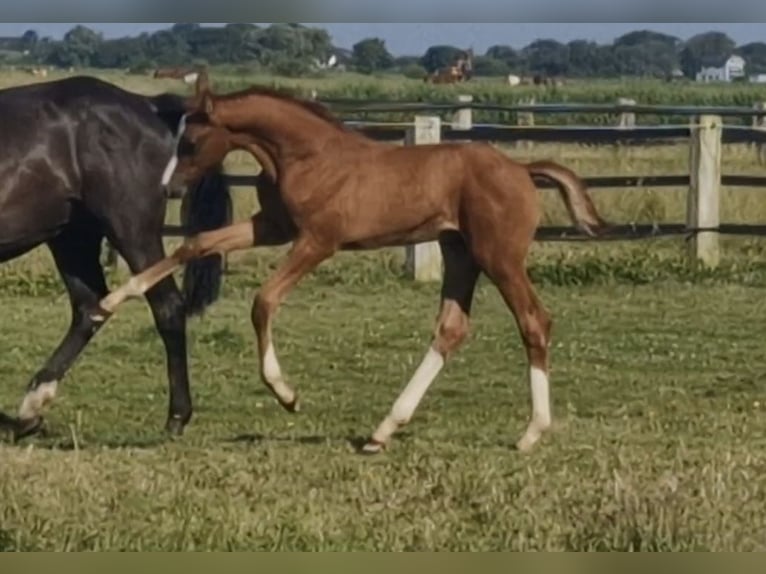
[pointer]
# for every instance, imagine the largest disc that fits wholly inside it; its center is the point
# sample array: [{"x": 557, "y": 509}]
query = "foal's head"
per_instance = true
[{"x": 201, "y": 147}]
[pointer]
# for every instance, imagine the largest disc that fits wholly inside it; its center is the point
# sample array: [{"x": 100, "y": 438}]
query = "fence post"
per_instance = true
[
  {"x": 424, "y": 260},
  {"x": 463, "y": 117},
  {"x": 759, "y": 123},
  {"x": 703, "y": 201},
  {"x": 526, "y": 119},
  {"x": 627, "y": 119}
]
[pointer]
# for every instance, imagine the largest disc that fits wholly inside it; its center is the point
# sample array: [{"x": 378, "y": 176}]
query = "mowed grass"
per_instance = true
[{"x": 659, "y": 439}]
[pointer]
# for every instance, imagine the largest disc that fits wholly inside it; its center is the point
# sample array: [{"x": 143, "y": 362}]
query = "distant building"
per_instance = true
[
  {"x": 724, "y": 71},
  {"x": 758, "y": 78}
]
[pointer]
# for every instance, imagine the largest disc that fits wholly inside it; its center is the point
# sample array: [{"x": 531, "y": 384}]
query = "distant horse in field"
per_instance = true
[
  {"x": 339, "y": 190},
  {"x": 82, "y": 160},
  {"x": 188, "y": 75},
  {"x": 460, "y": 71}
]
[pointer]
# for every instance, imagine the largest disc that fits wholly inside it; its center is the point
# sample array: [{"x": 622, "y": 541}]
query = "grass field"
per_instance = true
[
  {"x": 658, "y": 395},
  {"x": 658, "y": 442}
]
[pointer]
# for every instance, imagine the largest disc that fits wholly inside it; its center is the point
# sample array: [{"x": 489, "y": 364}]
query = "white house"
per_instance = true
[{"x": 733, "y": 67}]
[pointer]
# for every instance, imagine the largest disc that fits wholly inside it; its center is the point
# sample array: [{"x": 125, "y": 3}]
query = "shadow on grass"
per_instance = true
[
  {"x": 257, "y": 438},
  {"x": 356, "y": 441},
  {"x": 46, "y": 439}
]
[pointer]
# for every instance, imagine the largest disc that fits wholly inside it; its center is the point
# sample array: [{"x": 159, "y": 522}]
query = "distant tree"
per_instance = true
[
  {"x": 168, "y": 49},
  {"x": 546, "y": 56},
  {"x": 371, "y": 55},
  {"x": 77, "y": 48},
  {"x": 126, "y": 53},
  {"x": 754, "y": 54},
  {"x": 505, "y": 54},
  {"x": 29, "y": 40},
  {"x": 401, "y": 62},
  {"x": 643, "y": 37},
  {"x": 586, "y": 59},
  {"x": 706, "y": 49},
  {"x": 489, "y": 67}
]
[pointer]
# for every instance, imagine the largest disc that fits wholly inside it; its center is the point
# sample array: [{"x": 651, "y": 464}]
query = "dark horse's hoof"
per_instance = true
[
  {"x": 175, "y": 426},
  {"x": 27, "y": 427}
]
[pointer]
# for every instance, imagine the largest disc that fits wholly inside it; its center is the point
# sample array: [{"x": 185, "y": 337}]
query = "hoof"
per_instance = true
[
  {"x": 292, "y": 407},
  {"x": 527, "y": 443},
  {"x": 372, "y": 447},
  {"x": 175, "y": 426},
  {"x": 27, "y": 427}
]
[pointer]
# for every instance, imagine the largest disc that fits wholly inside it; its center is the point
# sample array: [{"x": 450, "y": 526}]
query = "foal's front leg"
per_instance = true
[{"x": 305, "y": 255}]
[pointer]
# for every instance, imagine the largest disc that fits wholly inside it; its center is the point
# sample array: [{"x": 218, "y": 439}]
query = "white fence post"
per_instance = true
[
  {"x": 424, "y": 260},
  {"x": 703, "y": 202},
  {"x": 627, "y": 119},
  {"x": 526, "y": 119},
  {"x": 463, "y": 117},
  {"x": 759, "y": 123}
]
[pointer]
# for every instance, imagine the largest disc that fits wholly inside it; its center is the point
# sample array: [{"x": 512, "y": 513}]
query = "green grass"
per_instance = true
[{"x": 658, "y": 441}]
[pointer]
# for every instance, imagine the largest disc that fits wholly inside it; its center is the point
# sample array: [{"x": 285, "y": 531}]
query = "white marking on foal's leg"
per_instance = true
[
  {"x": 272, "y": 374},
  {"x": 170, "y": 168},
  {"x": 408, "y": 400},
  {"x": 36, "y": 399},
  {"x": 134, "y": 287},
  {"x": 541, "y": 409}
]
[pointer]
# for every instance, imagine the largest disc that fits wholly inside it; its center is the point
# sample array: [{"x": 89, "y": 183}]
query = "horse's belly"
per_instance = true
[{"x": 30, "y": 214}]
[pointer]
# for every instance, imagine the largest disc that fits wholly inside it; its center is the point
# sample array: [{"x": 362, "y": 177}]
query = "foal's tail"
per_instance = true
[
  {"x": 575, "y": 195},
  {"x": 206, "y": 206}
]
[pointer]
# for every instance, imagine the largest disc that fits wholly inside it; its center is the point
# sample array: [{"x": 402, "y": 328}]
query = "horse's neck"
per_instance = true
[{"x": 284, "y": 129}]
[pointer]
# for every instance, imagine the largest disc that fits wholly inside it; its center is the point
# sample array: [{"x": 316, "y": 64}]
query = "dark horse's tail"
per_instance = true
[{"x": 205, "y": 206}]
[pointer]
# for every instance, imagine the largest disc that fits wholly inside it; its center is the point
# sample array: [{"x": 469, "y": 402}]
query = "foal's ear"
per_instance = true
[
  {"x": 207, "y": 105},
  {"x": 203, "y": 83}
]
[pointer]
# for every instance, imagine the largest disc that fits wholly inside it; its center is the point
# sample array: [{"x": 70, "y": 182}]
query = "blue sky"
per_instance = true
[{"x": 415, "y": 38}]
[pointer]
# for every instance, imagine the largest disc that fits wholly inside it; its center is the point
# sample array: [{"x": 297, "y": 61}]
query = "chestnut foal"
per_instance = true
[{"x": 339, "y": 190}]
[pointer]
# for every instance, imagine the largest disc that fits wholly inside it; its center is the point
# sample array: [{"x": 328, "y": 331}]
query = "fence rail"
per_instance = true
[
  {"x": 362, "y": 106},
  {"x": 706, "y": 133}
]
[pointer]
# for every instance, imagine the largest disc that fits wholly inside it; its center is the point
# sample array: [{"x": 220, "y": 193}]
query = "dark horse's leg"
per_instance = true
[
  {"x": 138, "y": 240},
  {"x": 76, "y": 253},
  {"x": 167, "y": 305}
]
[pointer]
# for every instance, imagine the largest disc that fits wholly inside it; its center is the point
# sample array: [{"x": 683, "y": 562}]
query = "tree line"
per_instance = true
[{"x": 295, "y": 49}]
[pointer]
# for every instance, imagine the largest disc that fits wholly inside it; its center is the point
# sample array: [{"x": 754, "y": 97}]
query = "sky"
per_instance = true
[{"x": 417, "y": 37}]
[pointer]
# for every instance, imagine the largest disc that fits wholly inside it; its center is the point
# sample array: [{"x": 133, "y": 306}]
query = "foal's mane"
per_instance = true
[{"x": 315, "y": 108}]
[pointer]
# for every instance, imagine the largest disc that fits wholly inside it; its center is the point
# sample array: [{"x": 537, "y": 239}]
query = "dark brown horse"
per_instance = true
[
  {"x": 339, "y": 190},
  {"x": 83, "y": 160}
]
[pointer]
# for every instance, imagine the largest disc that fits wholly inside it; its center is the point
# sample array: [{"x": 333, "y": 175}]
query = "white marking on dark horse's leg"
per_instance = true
[{"x": 36, "y": 399}]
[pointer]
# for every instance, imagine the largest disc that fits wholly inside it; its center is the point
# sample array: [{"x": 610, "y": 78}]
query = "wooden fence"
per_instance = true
[{"x": 706, "y": 132}]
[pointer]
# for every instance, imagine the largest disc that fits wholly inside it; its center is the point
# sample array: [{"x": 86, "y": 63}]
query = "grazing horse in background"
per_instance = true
[
  {"x": 82, "y": 160},
  {"x": 339, "y": 190}
]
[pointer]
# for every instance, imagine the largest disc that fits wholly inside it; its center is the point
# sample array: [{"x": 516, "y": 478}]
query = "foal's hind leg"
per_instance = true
[
  {"x": 461, "y": 273},
  {"x": 304, "y": 257},
  {"x": 535, "y": 326},
  {"x": 76, "y": 253}
]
